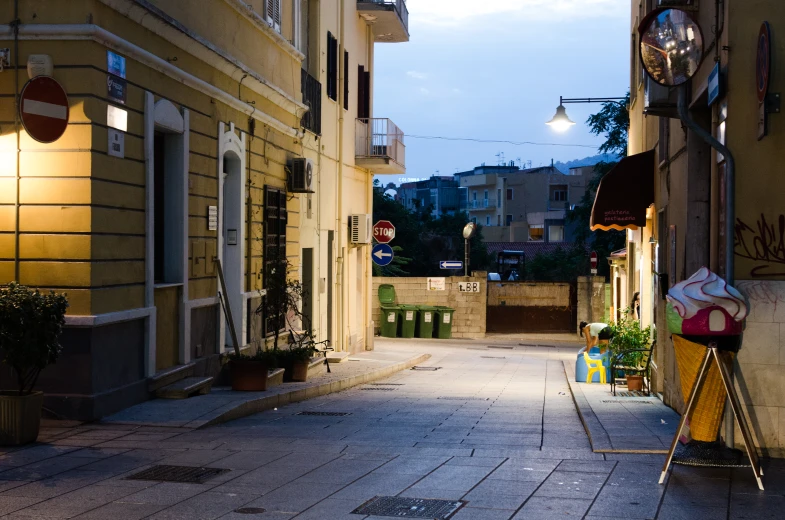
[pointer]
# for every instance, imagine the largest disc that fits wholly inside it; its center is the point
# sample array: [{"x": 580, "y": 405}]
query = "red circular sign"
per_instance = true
[
  {"x": 593, "y": 260},
  {"x": 763, "y": 62},
  {"x": 43, "y": 108},
  {"x": 383, "y": 231}
]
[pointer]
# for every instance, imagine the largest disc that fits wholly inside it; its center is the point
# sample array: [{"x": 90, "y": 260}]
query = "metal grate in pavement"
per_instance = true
[
  {"x": 186, "y": 474},
  {"x": 616, "y": 401},
  {"x": 380, "y": 389},
  {"x": 250, "y": 510},
  {"x": 432, "y": 369},
  {"x": 386, "y": 384},
  {"x": 402, "y": 507},
  {"x": 449, "y": 398},
  {"x": 493, "y": 357},
  {"x": 501, "y": 347},
  {"x": 632, "y": 393},
  {"x": 325, "y": 414}
]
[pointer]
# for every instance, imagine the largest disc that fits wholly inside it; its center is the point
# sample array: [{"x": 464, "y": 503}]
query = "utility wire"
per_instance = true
[{"x": 516, "y": 143}]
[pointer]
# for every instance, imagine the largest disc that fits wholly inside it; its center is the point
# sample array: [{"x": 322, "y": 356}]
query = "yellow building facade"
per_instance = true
[
  {"x": 685, "y": 229},
  {"x": 191, "y": 125}
]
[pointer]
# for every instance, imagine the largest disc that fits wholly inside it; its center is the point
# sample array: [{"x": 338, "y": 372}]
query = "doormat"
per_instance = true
[{"x": 402, "y": 507}]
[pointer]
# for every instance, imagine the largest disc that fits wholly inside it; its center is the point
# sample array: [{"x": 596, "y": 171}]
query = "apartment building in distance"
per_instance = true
[
  {"x": 198, "y": 132},
  {"x": 438, "y": 195}
]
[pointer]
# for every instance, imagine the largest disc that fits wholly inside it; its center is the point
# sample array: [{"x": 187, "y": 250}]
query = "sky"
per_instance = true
[{"x": 495, "y": 69}]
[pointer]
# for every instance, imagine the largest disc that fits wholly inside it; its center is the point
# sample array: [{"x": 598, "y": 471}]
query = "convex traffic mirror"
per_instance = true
[{"x": 671, "y": 46}]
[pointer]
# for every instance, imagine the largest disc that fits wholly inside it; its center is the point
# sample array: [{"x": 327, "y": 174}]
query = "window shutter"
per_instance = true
[
  {"x": 367, "y": 97},
  {"x": 361, "y": 112},
  {"x": 346, "y": 80},
  {"x": 273, "y": 14}
]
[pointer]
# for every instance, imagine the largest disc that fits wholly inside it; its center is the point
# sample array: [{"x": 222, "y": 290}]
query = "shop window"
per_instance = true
[
  {"x": 536, "y": 232},
  {"x": 555, "y": 233}
]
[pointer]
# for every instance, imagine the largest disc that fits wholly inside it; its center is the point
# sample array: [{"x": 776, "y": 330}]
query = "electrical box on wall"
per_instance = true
[
  {"x": 301, "y": 176},
  {"x": 360, "y": 229}
]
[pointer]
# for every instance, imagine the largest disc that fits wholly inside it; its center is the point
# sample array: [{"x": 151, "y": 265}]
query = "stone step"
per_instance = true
[
  {"x": 337, "y": 357},
  {"x": 186, "y": 388},
  {"x": 170, "y": 376}
]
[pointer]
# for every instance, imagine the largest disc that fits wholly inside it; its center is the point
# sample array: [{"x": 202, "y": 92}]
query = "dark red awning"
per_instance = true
[{"x": 624, "y": 194}]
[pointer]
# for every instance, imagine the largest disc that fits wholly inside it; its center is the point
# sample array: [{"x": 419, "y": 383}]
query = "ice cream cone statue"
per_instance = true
[{"x": 706, "y": 317}]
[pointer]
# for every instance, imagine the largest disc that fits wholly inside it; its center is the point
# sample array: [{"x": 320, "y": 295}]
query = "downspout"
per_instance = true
[
  {"x": 367, "y": 308},
  {"x": 339, "y": 223},
  {"x": 17, "y": 127},
  {"x": 730, "y": 219}
]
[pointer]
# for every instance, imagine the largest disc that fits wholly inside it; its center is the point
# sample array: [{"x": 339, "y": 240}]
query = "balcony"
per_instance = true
[
  {"x": 379, "y": 146},
  {"x": 556, "y": 205},
  {"x": 388, "y": 18},
  {"x": 311, "y": 90},
  {"x": 482, "y": 204}
]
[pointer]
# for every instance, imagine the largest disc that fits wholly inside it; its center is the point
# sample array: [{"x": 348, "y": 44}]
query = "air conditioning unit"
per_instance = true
[
  {"x": 301, "y": 176},
  {"x": 659, "y": 100},
  {"x": 360, "y": 229}
]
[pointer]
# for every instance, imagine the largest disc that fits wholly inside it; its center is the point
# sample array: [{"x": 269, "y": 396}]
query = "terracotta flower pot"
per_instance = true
[
  {"x": 248, "y": 375},
  {"x": 300, "y": 371},
  {"x": 634, "y": 383},
  {"x": 20, "y": 417}
]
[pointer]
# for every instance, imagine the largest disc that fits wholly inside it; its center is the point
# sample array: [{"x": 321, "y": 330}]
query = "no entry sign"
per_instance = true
[
  {"x": 43, "y": 109},
  {"x": 383, "y": 231}
]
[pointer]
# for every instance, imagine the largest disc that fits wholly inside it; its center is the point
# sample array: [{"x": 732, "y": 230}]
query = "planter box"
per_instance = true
[
  {"x": 635, "y": 383},
  {"x": 248, "y": 376},
  {"x": 300, "y": 372},
  {"x": 20, "y": 417},
  {"x": 275, "y": 377}
]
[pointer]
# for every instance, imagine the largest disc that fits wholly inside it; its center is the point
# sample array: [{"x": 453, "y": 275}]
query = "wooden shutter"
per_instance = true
[
  {"x": 346, "y": 80},
  {"x": 361, "y": 111},
  {"x": 274, "y": 14},
  {"x": 367, "y": 87},
  {"x": 332, "y": 66}
]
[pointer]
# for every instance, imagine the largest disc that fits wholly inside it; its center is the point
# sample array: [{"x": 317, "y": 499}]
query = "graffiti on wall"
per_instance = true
[{"x": 764, "y": 243}]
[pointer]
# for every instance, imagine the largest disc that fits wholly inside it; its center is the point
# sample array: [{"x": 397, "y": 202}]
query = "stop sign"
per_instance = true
[
  {"x": 43, "y": 108},
  {"x": 594, "y": 259},
  {"x": 383, "y": 231}
]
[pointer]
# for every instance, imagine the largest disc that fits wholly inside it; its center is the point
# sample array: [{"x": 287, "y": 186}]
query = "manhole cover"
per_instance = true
[
  {"x": 410, "y": 507},
  {"x": 464, "y": 398},
  {"x": 432, "y": 369},
  {"x": 189, "y": 474},
  {"x": 325, "y": 414},
  {"x": 379, "y": 388},
  {"x": 627, "y": 402},
  {"x": 250, "y": 510}
]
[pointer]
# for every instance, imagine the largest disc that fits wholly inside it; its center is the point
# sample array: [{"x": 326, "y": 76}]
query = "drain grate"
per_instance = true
[
  {"x": 500, "y": 347},
  {"x": 410, "y": 507},
  {"x": 379, "y": 388},
  {"x": 432, "y": 369},
  {"x": 250, "y": 510},
  {"x": 493, "y": 357},
  {"x": 464, "y": 398},
  {"x": 186, "y": 474},
  {"x": 627, "y": 402},
  {"x": 386, "y": 384},
  {"x": 633, "y": 393},
  {"x": 325, "y": 414}
]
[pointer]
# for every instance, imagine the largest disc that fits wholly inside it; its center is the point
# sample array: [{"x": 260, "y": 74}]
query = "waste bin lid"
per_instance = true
[
  {"x": 407, "y": 307},
  {"x": 426, "y": 307},
  {"x": 444, "y": 308},
  {"x": 386, "y": 293}
]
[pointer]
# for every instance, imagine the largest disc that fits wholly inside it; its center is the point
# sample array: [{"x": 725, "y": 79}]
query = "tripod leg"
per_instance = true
[
  {"x": 752, "y": 453},
  {"x": 690, "y": 405}
]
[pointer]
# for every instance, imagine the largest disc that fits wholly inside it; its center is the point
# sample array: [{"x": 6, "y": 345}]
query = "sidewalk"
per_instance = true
[
  {"x": 222, "y": 404},
  {"x": 617, "y": 424}
]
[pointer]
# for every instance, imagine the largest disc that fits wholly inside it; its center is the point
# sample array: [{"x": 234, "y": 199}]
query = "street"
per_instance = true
[{"x": 493, "y": 427}]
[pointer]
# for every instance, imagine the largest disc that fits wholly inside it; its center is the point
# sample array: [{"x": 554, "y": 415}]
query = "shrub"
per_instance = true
[
  {"x": 30, "y": 328},
  {"x": 628, "y": 335}
]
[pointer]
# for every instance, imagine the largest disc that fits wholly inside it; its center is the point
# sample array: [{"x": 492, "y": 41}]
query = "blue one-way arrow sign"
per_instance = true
[
  {"x": 450, "y": 264},
  {"x": 382, "y": 254}
]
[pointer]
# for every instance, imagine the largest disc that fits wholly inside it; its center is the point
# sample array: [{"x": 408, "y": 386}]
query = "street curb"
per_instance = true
[
  {"x": 238, "y": 410},
  {"x": 598, "y": 437}
]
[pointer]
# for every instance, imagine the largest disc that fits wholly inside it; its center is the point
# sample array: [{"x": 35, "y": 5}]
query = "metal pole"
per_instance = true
[
  {"x": 730, "y": 218},
  {"x": 466, "y": 257}
]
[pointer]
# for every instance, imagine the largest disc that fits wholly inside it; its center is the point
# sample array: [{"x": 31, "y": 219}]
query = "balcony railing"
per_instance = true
[
  {"x": 379, "y": 146},
  {"x": 482, "y": 204},
  {"x": 387, "y": 28},
  {"x": 312, "y": 96}
]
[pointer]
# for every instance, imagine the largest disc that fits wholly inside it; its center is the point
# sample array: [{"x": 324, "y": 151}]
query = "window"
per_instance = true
[
  {"x": 332, "y": 66},
  {"x": 363, "y": 93},
  {"x": 167, "y": 208},
  {"x": 273, "y": 14},
  {"x": 488, "y": 221},
  {"x": 509, "y": 220},
  {"x": 498, "y": 220},
  {"x": 509, "y": 193},
  {"x": 499, "y": 194},
  {"x": 346, "y": 80},
  {"x": 474, "y": 195},
  {"x": 474, "y": 220},
  {"x": 485, "y": 195},
  {"x": 555, "y": 233},
  {"x": 274, "y": 240},
  {"x": 536, "y": 232},
  {"x": 560, "y": 195},
  {"x": 664, "y": 144}
]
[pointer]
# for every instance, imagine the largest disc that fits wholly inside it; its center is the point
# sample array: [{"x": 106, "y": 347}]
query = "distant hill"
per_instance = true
[{"x": 586, "y": 161}]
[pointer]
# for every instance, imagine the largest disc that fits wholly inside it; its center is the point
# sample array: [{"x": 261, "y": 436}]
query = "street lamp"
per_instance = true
[
  {"x": 562, "y": 123},
  {"x": 468, "y": 232}
]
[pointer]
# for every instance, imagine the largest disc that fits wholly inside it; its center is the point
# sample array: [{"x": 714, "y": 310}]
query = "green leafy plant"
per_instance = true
[
  {"x": 30, "y": 326},
  {"x": 628, "y": 335},
  {"x": 267, "y": 357}
]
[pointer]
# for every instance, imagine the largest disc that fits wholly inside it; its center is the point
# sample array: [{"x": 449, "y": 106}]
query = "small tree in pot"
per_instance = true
[{"x": 30, "y": 328}]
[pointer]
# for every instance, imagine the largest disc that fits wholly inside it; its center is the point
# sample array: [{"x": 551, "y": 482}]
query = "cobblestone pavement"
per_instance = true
[{"x": 495, "y": 428}]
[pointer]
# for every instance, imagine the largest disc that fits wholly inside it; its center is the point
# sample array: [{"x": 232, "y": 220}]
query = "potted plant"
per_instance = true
[
  {"x": 248, "y": 373},
  {"x": 295, "y": 361},
  {"x": 629, "y": 347},
  {"x": 30, "y": 328}
]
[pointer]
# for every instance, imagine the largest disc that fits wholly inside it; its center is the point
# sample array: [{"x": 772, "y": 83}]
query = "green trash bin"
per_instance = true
[
  {"x": 427, "y": 316},
  {"x": 407, "y": 320},
  {"x": 443, "y": 326},
  {"x": 389, "y": 311}
]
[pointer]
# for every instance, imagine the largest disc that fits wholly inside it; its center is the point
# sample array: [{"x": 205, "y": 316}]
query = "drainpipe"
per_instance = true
[
  {"x": 339, "y": 222},
  {"x": 17, "y": 127},
  {"x": 730, "y": 219}
]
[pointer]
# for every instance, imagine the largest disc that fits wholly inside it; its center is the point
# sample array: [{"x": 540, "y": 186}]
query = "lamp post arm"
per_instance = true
[{"x": 619, "y": 100}]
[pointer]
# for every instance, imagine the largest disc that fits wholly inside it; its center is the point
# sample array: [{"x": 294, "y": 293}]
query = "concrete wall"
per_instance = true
[
  {"x": 591, "y": 300},
  {"x": 470, "y": 308}
]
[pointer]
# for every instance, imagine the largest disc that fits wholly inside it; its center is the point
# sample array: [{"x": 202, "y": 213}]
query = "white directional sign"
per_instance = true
[
  {"x": 469, "y": 286},
  {"x": 450, "y": 264}
]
